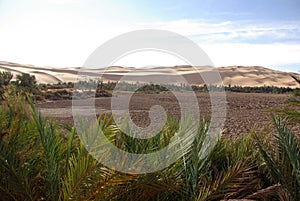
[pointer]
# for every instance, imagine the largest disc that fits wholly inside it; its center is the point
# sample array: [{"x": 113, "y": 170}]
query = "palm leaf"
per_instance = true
[{"x": 282, "y": 158}]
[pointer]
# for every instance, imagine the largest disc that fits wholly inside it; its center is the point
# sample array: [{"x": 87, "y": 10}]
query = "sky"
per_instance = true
[{"x": 63, "y": 33}]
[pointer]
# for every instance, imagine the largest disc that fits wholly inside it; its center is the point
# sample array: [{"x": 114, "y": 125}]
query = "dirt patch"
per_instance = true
[{"x": 245, "y": 111}]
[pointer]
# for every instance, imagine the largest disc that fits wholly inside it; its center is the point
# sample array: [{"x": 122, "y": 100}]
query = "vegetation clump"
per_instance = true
[
  {"x": 43, "y": 160},
  {"x": 5, "y": 78},
  {"x": 26, "y": 80}
]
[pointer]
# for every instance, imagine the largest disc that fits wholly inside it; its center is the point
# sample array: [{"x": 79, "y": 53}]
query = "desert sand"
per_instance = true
[{"x": 233, "y": 75}]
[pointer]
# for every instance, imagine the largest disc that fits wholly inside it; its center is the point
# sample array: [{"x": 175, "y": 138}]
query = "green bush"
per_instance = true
[
  {"x": 5, "y": 78},
  {"x": 26, "y": 80}
]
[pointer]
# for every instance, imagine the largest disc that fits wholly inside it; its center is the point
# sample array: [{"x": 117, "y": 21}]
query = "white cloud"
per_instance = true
[
  {"x": 229, "y": 31},
  {"x": 149, "y": 59},
  {"x": 190, "y": 27},
  {"x": 253, "y": 54}
]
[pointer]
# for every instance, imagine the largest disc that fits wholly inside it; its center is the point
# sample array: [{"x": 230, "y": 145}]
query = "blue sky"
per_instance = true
[
  {"x": 258, "y": 10},
  {"x": 232, "y": 32}
]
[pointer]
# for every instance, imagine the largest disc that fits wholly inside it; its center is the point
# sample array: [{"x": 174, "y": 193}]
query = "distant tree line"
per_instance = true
[
  {"x": 157, "y": 88},
  {"x": 260, "y": 89}
]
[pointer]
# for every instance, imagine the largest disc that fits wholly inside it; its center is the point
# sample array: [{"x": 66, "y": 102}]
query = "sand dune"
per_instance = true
[{"x": 233, "y": 75}]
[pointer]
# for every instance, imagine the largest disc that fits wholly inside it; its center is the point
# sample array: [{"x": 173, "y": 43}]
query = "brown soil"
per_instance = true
[{"x": 245, "y": 111}]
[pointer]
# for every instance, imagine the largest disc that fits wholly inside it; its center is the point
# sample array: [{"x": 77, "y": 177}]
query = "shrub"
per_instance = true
[
  {"x": 5, "y": 78},
  {"x": 26, "y": 80}
]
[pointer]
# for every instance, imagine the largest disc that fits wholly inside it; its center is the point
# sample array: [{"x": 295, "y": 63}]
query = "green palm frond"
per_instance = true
[
  {"x": 234, "y": 170},
  {"x": 291, "y": 115},
  {"x": 16, "y": 153},
  {"x": 51, "y": 149},
  {"x": 296, "y": 78},
  {"x": 282, "y": 158},
  {"x": 239, "y": 180},
  {"x": 267, "y": 193},
  {"x": 80, "y": 167}
]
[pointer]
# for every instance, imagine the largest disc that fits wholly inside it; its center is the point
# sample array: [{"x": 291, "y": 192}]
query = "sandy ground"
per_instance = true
[{"x": 245, "y": 111}]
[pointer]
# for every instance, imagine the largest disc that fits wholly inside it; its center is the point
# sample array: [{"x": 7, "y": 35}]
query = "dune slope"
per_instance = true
[{"x": 233, "y": 75}]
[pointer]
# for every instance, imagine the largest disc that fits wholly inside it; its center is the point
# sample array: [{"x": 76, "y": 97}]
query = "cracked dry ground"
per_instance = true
[{"x": 245, "y": 111}]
